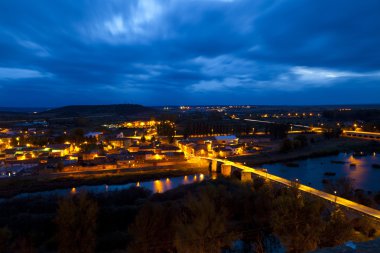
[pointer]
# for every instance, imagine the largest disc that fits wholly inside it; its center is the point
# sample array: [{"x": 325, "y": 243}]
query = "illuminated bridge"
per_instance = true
[
  {"x": 363, "y": 135},
  {"x": 227, "y": 167}
]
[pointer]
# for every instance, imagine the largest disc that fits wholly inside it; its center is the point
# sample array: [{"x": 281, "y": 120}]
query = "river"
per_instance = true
[
  {"x": 312, "y": 171},
  {"x": 156, "y": 186}
]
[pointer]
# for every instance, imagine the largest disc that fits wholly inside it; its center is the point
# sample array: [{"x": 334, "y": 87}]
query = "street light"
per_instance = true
[{"x": 335, "y": 196}]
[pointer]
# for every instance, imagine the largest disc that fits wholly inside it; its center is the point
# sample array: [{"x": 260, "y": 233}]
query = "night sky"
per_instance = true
[{"x": 189, "y": 52}]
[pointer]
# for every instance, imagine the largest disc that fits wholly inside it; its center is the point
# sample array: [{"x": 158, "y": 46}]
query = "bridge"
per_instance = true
[
  {"x": 362, "y": 135},
  {"x": 227, "y": 168}
]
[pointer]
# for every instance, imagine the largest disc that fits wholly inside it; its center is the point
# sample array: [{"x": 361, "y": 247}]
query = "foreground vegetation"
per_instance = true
[{"x": 203, "y": 217}]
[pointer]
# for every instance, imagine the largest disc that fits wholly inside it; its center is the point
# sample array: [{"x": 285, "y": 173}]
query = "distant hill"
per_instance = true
[
  {"x": 91, "y": 110},
  {"x": 22, "y": 109}
]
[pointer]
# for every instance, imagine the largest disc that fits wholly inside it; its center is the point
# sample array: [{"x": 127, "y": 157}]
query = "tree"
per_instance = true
[
  {"x": 152, "y": 231},
  {"x": 60, "y": 166},
  {"x": 202, "y": 225},
  {"x": 365, "y": 226},
  {"x": 343, "y": 186},
  {"x": 297, "y": 220},
  {"x": 76, "y": 220},
  {"x": 338, "y": 229},
  {"x": 332, "y": 133},
  {"x": 302, "y": 140},
  {"x": 278, "y": 131},
  {"x": 5, "y": 236},
  {"x": 24, "y": 245},
  {"x": 77, "y": 135},
  {"x": 287, "y": 146}
]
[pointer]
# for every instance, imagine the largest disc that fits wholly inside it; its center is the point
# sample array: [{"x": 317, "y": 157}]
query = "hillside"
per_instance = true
[{"x": 91, "y": 110}]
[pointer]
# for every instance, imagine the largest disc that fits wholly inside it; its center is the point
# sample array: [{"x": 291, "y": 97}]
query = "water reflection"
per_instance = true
[
  {"x": 313, "y": 170},
  {"x": 168, "y": 184},
  {"x": 158, "y": 186},
  {"x": 356, "y": 169}
]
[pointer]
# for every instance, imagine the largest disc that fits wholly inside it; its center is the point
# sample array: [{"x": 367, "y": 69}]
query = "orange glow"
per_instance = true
[
  {"x": 359, "y": 173},
  {"x": 168, "y": 184},
  {"x": 158, "y": 186},
  {"x": 138, "y": 184},
  {"x": 201, "y": 177},
  {"x": 73, "y": 190}
]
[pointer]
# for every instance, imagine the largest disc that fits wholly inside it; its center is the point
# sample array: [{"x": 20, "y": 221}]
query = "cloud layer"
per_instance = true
[{"x": 158, "y": 52}]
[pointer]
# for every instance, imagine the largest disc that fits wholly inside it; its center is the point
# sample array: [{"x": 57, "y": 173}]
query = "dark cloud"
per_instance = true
[
  {"x": 194, "y": 52},
  {"x": 335, "y": 34}
]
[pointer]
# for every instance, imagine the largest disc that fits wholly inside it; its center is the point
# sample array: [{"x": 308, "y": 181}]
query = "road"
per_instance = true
[
  {"x": 272, "y": 122},
  {"x": 324, "y": 195}
]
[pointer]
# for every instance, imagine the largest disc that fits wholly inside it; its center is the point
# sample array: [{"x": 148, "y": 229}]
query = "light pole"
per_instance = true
[{"x": 335, "y": 196}]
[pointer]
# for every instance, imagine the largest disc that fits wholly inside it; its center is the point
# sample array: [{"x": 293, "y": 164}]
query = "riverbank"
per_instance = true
[
  {"x": 319, "y": 149},
  {"x": 17, "y": 185}
]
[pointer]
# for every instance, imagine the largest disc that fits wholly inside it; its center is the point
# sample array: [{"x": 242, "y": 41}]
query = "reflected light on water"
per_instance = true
[
  {"x": 73, "y": 190},
  {"x": 106, "y": 186},
  {"x": 185, "y": 180},
  {"x": 359, "y": 172},
  {"x": 138, "y": 184},
  {"x": 158, "y": 186},
  {"x": 168, "y": 184}
]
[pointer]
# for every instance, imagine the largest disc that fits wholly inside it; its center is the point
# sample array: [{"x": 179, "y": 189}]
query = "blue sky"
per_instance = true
[{"x": 157, "y": 52}]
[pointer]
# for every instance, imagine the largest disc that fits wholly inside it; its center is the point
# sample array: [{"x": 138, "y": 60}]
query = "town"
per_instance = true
[
  {"x": 218, "y": 126},
  {"x": 36, "y": 147},
  {"x": 75, "y": 149}
]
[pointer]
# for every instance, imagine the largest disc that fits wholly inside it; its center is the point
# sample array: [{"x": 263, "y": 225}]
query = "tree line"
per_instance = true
[
  {"x": 207, "y": 217},
  {"x": 197, "y": 127}
]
